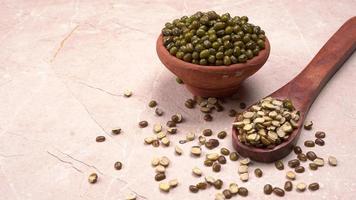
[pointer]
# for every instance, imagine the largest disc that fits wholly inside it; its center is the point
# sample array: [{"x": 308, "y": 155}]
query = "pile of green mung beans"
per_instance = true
[{"x": 207, "y": 38}]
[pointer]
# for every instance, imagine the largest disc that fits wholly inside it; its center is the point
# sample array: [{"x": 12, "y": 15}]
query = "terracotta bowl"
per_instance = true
[{"x": 211, "y": 81}]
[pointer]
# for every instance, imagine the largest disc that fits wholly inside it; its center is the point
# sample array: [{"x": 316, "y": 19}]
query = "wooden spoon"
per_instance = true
[{"x": 305, "y": 87}]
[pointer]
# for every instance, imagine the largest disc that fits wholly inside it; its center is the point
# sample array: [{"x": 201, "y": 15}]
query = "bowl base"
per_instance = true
[{"x": 204, "y": 92}]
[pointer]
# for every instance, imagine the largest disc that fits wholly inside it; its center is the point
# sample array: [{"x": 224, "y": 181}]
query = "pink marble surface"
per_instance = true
[{"x": 65, "y": 64}]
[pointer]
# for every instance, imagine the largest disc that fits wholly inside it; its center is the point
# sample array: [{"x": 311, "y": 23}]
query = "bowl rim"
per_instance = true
[{"x": 255, "y": 61}]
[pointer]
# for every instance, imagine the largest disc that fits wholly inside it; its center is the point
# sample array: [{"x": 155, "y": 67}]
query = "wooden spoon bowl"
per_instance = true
[{"x": 304, "y": 88}]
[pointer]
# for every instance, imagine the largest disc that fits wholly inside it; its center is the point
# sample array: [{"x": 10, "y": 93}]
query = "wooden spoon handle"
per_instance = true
[{"x": 305, "y": 87}]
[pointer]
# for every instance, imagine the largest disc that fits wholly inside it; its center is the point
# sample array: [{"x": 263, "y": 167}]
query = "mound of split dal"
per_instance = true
[{"x": 267, "y": 123}]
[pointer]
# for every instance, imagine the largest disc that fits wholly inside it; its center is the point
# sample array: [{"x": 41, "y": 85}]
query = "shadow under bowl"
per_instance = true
[{"x": 211, "y": 81}]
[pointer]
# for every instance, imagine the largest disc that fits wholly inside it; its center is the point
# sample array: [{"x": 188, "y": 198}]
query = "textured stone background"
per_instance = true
[{"x": 65, "y": 64}]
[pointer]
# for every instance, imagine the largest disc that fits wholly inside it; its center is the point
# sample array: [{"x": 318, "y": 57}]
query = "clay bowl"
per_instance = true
[{"x": 211, "y": 81}]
